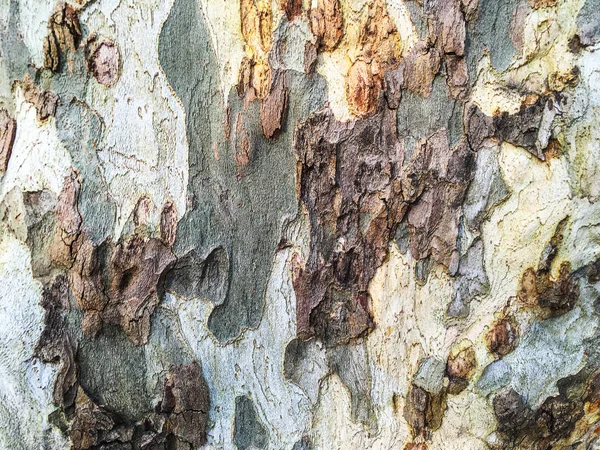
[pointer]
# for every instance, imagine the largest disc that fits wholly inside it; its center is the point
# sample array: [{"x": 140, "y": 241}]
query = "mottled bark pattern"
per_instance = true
[{"x": 307, "y": 225}]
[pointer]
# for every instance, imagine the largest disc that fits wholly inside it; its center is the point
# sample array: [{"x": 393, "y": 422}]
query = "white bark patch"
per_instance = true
[
  {"x": 25, "y": 384},
  {"x": 144, "y": 149}
]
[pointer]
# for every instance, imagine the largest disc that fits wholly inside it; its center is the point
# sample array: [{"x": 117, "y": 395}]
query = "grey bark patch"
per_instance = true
[
  {"x": 14, "y": 51},
  {"x": 471, "y": 280},
  {"x": 491, "y": 31},
  {"x": 539, "y": 352},
  {"x": 588, "y": 23},
  {"x": 422, "y": 270},
  {"x": 419, "y": 117},
  {"x": 351, "y": 364},
  {"x": 248, "y": 432},
  {"x": 487, "y": 189},
  {"x": 430, "y": 375},
  {"x": 402, "y": 236},
  {"x": 111, "y": 368},
  {"x": 194, "y": 276},
  {"x": 303, "y": 444},
  {"x": 417, "y": 17},
  {"x": 80, "y": 130},
  {"x": 40, "y": 221},
  {"x": 495, "y": 376},
  {"x": 230, "y": 204},
  {"x": 304, "y": 364}
]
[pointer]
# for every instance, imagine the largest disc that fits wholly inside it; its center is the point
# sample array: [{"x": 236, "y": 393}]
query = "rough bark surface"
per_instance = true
[{"x": 292, "y": 224}]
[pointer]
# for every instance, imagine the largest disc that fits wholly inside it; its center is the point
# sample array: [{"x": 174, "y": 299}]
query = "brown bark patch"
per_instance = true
[
  {"x": 362, "y": 89},
  {"x": 356, "y": 187},
  {"x": 529, "y": 127},
  {"x": 291, "y": 8},
  {"x": 89, "y": 424},
  {"x": 539, "y": 288},
  {"x": 45, "y": 102},
  {"x": 168, "y": 223},
  {"x": 243, "y": 147},
  {"x": 179, "y": 422},
  {"x": 378, "y": 51},
  {"x": 327, "y": 23},
  {"x": 102, "y": 58},
  {"x": 120, "y": 284},
  {"x": 537, "y": 4},
  {"x": 502, "y": 338},
  {"x": 257, "y": 26},
  {"x": 447, "y": 30},
  {"x": 461, "y": 362},
  {"x": 8, "y": 132},
  {"x": 346, "y": 179},
  {"x": 274, "y": 106},
  {"x": 415, "y": 73},
  {"x": 436, "y": 181},
  {"x": 68, "y": 221},
  {"x": 254, "y": 78},
  {"x": 186, "y": 401},
  {"x": 310, "y": 58},
  {"x": 512, "y": 412},
  {"x": 64, "y": 35},
  {"x": 424, "y": 411}
]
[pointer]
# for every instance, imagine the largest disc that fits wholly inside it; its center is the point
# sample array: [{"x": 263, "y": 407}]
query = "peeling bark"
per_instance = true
[{"x": 300, "y": 225}]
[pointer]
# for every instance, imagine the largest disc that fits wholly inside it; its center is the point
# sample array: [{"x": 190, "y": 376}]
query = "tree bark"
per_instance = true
[{"x": 294, "y": 224}]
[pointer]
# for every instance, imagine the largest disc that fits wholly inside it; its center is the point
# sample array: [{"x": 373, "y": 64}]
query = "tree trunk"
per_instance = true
[{"x": 300, "y": 224}]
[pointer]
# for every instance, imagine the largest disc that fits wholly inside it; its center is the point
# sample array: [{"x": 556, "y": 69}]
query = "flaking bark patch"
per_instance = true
[
  {"x": 327, "y": 23},
  {"x": 257, "y": 25},
  {"x": 502, "y": 338},
  {"x": 274, "y": 106},
  {"x": 347, "y": 178},
  {"x": 64, "y": 36},
  {"x": 186, "y": 402},
  {"x": 292, "y": 8},
  {"x": 102, "y": 60},
  {"x": 179, "y": 422},
  {"x": 357, "y": 188},
  {"x": 120, "y": 284},
  {"x": 55, "y": 344},
  {"x": 436, "y": 181},
  {"x": 529, "y": 128},
  {"x": 539, "y": 289},
  {"x": 378, "y": 50},
  {"x": 8, "y": 132},
  {"x": 415, "y": 73},
  {"x": 45, "y": 101},
  {"x": 68, "y": 221}
]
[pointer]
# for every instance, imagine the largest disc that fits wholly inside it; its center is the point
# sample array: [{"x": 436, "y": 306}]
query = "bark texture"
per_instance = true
[{"x": 304, "y": 225}]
